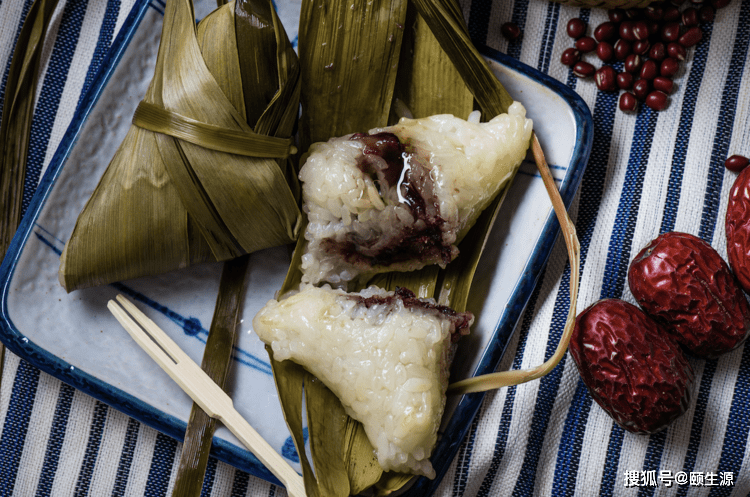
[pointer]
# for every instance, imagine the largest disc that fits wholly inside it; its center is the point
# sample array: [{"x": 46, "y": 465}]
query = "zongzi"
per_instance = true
[
  {"x": 385, "y": 355},
  {"x": 203, "y": 173},
  {"x": 402, "y": 197}
]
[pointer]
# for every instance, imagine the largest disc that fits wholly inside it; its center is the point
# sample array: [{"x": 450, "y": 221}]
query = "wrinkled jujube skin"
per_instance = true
[
  {"x": 683, "y": 282},
  {"x": 631, "y": 366},
  {"x": 737, "y": 223}
]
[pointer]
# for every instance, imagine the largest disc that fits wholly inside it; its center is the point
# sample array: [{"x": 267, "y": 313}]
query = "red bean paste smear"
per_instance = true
[
  {"x": 459, "y": 321},
  {"x": 401, "y": 175}
]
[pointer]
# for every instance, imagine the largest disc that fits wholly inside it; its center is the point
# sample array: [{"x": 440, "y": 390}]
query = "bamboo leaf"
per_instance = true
[
  {"x": 18, "y": 108},
  {"x": 446, "y": 22},
  {"x": 339, "y": 64},
  {"x": 516, "y": 377},
  {"x": 217, "y": 357},
  {"x": 326, "y": 427},
  {"x": 160, "y": 120},
  {"x": 428, "y": 83},
  {"x": 290, "y": 379},
  {"x": 359, "y": 457},
  {"x": 15, "y": 125}
]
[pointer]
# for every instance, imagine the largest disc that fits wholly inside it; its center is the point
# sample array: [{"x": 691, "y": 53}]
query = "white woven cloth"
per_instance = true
[{"x": 649, "y": 172}]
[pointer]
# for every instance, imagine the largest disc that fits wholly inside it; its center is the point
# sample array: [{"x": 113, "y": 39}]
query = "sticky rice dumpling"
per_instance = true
[
  {"x": 204, "y": 172},
  {"x": 402, "y": 197},
  {"x": 385, "y": 355}
]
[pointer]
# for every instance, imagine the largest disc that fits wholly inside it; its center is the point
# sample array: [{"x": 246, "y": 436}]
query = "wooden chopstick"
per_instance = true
[{"x": 212, "y": 399}]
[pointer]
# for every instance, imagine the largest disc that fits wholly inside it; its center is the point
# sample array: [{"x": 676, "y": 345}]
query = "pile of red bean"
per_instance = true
[{"x": 649, "y": 42}]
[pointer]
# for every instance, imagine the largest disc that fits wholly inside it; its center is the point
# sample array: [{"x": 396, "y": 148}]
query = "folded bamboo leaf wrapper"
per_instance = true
[{"x": 199, "y": 184}]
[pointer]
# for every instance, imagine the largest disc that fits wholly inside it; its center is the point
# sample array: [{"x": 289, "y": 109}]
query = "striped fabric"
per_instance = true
[{"x": 648, "y": 173}]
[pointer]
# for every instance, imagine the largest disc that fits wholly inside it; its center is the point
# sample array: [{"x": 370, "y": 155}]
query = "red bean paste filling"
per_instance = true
[
  {"x": 460, "y": 321},
  {"x": 384, "y": 158}
]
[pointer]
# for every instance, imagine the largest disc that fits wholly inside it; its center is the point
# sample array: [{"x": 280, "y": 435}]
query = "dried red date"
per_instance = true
[
  {"x": 631, "y": 366},
  {"x": 737, "y": 224},
  {"x": 684, "y": 283}
]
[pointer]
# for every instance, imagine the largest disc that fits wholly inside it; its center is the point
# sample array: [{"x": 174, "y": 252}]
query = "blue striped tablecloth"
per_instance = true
[{"x": 649, "y": 173}]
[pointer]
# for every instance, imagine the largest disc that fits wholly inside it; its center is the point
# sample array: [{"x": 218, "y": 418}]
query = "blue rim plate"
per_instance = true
[{"x": 567, "y": 139}]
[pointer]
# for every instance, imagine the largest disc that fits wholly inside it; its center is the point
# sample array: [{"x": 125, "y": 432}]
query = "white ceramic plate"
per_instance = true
[{"x": 74, "y": 337}]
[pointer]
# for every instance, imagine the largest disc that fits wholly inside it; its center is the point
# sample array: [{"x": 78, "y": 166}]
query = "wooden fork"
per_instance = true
[{"x": 207, "y": 394}]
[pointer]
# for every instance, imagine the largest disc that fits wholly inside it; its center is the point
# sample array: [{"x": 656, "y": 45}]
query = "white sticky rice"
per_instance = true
[{"x": 388, "y": 364}]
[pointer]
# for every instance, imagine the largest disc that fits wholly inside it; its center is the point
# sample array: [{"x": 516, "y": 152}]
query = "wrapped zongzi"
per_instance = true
[{"x": 203, "y": 173}]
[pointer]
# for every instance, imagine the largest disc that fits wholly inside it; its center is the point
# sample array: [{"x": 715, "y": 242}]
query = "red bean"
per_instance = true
[
  {"x": 736, "y": 163},
  {"x": 690, "y": 17},
  {"x": 585, "y": 44},
  {"x": 719, "y": 4},
  {"x": 676, "y": 51},
  {"x": 570, "y": 56},
  {"x": 649, "y": 70},
  {"x": 653, "y": 28},
  {"x": 616, "y": 15},
  {"x": 641, "y": 47},
  {"x": 670, "y": 32},
  {"x": 640, "y": 30},
  {"x": 606, "y": 31},
  {"x": 706, "y": 13},
  {"x": 628, "y": 102},
  {"x": 633, "y": 63},
  {"x": 606, "y": 78},
  {"x": 605, "y": 52},
  {"x": 658, "y": 51},
  {"x": 576, "y": 28},
  {"x": 691, "y": 37},
  {"x": 625, "y": 81},
  {"x": 641, "y": 88},
  {"x": 657, "y": 100},
  {"x": 583, "y": 69},
  {"x": 622, "y": 49},
  {"x": 510, "y": 31},
  {"x": 671, "y": 13},
  {"x": 669, "y": 67},
  {"x": 663, "y": 84},
  {"x": 626, "y": 31}
]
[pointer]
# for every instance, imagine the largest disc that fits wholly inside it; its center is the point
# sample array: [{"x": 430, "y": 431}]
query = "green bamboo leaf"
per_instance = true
[
  {"x": 18, "y": 109},
  {"x": 359, "y": 457},
  {"x": 15, "y": 124},
  {"x": 160, "y": 120},
  {"x": 423, "y": 56},
  {"x": 290, "y": 379},
  {"x": 446, "y": 22},
  {"x": 428, "y": 83},
  {"x": 326, "y": 428},
  {"x": 217, "y": 358},
  {"x": 347, "y": 84},
  {"x": 390, "y": 482}
]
